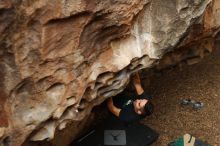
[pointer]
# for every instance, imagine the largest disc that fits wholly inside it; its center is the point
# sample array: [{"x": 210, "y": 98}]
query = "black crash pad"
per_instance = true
[{"x": 113, "y": 132}]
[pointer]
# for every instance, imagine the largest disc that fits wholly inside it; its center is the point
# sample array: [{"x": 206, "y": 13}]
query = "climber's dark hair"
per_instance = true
[{"x": 148, "y": 109}]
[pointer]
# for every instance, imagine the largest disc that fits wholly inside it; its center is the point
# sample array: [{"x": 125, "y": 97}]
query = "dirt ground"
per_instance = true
[{"x": 200, "y": 82}]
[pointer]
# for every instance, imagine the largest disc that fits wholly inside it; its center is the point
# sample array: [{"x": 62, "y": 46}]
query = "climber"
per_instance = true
[{"x": 131, "y": 108}]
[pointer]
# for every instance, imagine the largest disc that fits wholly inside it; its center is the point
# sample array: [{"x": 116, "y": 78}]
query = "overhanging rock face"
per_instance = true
[{"x": 58, "y": 59}]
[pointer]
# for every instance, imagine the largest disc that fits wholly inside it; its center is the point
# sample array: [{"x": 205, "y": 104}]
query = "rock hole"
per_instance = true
[
  {"x": 83, "y": 103},
  {"x": 98, "y": 85},
  {"x": 139, "y": 66},
  {"x": 6, "y": 141},
  {"x": 104, "y": 77},
  {"x": 116, "y": 82},
  {"x": 206, "y": 52},
  {"x": 24, "y": 86},
  {"x": 89, "y": 94}
]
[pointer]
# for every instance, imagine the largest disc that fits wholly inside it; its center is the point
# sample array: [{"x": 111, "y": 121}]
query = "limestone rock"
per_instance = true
[{"x": 60, "y": 58}]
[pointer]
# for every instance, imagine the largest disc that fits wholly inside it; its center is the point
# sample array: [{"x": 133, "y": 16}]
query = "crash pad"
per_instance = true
[
  {"x": 188, "y": 140},
  {"x": 113, "y": 132}
]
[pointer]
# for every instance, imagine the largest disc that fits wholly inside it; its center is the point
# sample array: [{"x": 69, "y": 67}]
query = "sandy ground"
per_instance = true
[{"x": 200, "y": 82}]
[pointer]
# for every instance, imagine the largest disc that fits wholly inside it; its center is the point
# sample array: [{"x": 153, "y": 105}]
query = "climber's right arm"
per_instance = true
[{"x": 113, "y": 108}]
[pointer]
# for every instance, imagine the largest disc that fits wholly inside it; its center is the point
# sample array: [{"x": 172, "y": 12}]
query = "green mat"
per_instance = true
[{"x": 188, "y": 140}]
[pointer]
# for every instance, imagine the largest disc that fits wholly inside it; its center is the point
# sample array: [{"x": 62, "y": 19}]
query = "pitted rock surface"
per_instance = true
[{"x": 59, "y": 59}]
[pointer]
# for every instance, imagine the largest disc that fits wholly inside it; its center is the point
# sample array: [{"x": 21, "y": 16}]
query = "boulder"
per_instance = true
[{"x": 60, "y": 58}]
